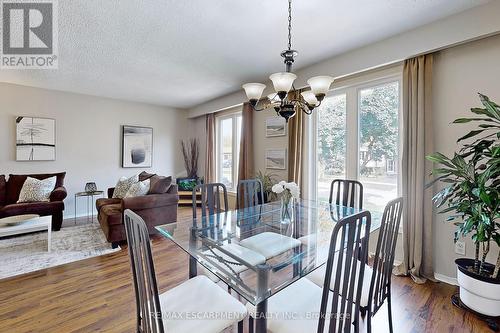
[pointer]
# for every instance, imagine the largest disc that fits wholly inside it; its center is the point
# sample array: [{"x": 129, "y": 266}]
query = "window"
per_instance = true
[
  {"x": 331, "y": 143},
  {"x": 228, "y": 149},
  {"x": 357, "y": 137},
  {"x": 378, "y": 143}
]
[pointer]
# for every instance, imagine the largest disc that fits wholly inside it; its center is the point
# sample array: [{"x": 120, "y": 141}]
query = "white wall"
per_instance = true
[
  {"x": 459, "y": 74},
  {"x": 88, "y": 136}
]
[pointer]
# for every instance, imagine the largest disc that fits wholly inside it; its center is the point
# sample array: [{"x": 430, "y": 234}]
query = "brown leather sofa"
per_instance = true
[
  {"x": 11, "y": 188},
  {"x": 155, "y": 209}
]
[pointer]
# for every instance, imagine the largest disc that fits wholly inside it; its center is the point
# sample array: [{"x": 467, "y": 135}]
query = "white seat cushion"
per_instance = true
[
  {"x": 308, "y": 240},
  {"x": 295, "y": 309},
  {"x": 270, "y": 244},
  {"x": 199, "y": 305},
  {"x": 248, "y": 255},
  {"x": 318, "y": 277}
]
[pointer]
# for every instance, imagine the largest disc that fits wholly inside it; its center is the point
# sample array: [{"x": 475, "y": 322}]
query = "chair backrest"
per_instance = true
[
  {"x": 250, "y": 192},
  {"x": 346, "y": 264},
  {"x": 384, "y": 254},
  {"x": 348, "y": 193},
  {"x": 210, "y": 198},
  {"x": 149, "y": 318}
]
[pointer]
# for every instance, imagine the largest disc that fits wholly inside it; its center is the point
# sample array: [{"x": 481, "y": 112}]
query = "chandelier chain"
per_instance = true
[{"x": 289, "y": 24}]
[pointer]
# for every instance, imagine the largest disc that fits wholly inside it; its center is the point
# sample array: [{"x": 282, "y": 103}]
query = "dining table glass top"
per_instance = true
[{"x": 253, "y": 251}]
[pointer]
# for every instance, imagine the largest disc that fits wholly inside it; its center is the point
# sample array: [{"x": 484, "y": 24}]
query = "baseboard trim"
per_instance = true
[{"x": 446, "y": 279}]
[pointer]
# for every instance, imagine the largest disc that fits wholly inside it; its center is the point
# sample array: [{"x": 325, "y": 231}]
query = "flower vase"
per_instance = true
[{"x": 287, "y": 210}]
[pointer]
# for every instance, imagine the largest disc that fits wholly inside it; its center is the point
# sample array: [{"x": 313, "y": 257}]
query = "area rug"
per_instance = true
[{"x": 28, "y": 253}]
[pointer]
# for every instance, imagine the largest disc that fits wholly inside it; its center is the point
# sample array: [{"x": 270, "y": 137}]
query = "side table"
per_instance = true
[{"x": 90, "y": 202}]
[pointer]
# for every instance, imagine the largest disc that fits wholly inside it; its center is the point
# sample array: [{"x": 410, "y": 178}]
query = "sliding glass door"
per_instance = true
[
  {"x": 378, "y": 147},
  {"x": 331, "y": 143},
  {"x": 357, "y": 137}
]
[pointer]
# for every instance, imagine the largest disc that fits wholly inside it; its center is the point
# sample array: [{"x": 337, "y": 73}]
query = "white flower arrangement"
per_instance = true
[{"x": 287, "y": 190}]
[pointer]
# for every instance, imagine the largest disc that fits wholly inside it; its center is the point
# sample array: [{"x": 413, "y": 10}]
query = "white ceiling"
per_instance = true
[{"x": 181, "y": 53}]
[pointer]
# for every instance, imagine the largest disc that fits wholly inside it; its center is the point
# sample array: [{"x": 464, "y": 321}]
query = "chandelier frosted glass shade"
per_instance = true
[
  {"x": 254, "y": 90},
  {"x": 283, "y": 82},
  {"x": 310, "y": 98},
  {"x": 320, "y": 84}
]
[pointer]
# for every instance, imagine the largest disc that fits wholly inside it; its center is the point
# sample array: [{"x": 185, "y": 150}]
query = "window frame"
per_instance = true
[
  {"x": 234, "y": 148},
  {"x": 352, "y": 90}
]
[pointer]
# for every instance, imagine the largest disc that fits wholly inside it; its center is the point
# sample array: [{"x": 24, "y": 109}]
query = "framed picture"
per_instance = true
[
  {"x": 275, "y": 126},
  {"x": 276, "y": 158},
  {"x": 35, "y": 139},
  {"x": 137, "y": 147}
]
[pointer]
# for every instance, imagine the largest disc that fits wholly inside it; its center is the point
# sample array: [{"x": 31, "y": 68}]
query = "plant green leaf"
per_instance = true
[{"x": 470, "y": 135}]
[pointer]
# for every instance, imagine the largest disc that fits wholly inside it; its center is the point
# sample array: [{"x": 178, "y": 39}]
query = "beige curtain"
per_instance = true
[
  {"x": 417, "y": 143},
  {"x": 246, "y": 162},
  {"x": 210, "y": 150},
  {"x": 296, "y": 134}
]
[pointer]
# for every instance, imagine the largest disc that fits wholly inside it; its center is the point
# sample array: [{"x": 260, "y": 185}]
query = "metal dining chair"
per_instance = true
[
  {"x": 343, "y": 193},
  {"x": 347, "y": 193},
  {"x": 211, "y": 202},
  {"x": 377, "y": 281},
  {"x": 338, "y": 311},
  {"x": 268, "y": 244},
  {"x": 211, "y": 207},
  {"x": 158, "y": 312},
  {"x": 380, "y": 275},
  {"x": 249, "y": 193}
]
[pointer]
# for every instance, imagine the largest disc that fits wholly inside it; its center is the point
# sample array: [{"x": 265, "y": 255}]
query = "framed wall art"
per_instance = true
[
  {"x": 275, "y": 126},
  {"x": 137, "y": 147},
  {"x": 276, "y": 158},
  {"x": 35, "y": 139}
]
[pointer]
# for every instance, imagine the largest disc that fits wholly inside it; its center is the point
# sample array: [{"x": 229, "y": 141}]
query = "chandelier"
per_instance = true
[{"x": 286, "y": 101}]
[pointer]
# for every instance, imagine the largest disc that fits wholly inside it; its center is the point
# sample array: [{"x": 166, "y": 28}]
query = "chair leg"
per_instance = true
[
  {"x": 250, "y": 324},
  {"x": 389, "y": 310},
  {"x": 369, "y": 321},
  {"x": 240, "y": 326},
  {"x": 362, "y": 310}
]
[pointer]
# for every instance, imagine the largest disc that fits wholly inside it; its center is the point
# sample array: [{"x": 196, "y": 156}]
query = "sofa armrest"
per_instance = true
[
  {"x": 150, "y": 201},
  {"x": 111, "y": 190},
  {"x": 59, "y": 194}
]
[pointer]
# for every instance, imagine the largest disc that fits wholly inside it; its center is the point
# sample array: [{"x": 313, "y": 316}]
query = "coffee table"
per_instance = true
[{"x": 22, "y": 224}]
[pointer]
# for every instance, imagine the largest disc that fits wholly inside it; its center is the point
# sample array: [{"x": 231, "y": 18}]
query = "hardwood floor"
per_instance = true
[{"x": 96, "y": 295}]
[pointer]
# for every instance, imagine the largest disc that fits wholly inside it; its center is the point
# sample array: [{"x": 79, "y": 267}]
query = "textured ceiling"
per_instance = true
[{"x": 184, "y": 52}]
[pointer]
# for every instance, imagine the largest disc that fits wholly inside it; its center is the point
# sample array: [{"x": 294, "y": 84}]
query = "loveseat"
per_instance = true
[
  {"x": 155, "y": 209},
  {"x": 9, "y": 195}
]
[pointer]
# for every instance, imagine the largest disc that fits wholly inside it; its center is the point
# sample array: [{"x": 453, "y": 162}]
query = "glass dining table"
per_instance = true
[{"x": 254, "y": 252}]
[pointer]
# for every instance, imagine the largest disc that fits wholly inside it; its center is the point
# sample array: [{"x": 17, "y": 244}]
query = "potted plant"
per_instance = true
[
  {"x": 268, "y": 180},
  {"x": 472, "y": 196},
  {"x": 190, "y": 152}
]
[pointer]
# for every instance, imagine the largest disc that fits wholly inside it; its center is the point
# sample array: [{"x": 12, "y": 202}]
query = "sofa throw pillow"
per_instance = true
[
  {"x": 138, "y": 189},
  {"x": 35, "y": 190},
  {"x": 123, "y": 185},
  {"x": 159, "y": 184},
  {"x": 145, "y": 175}
]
